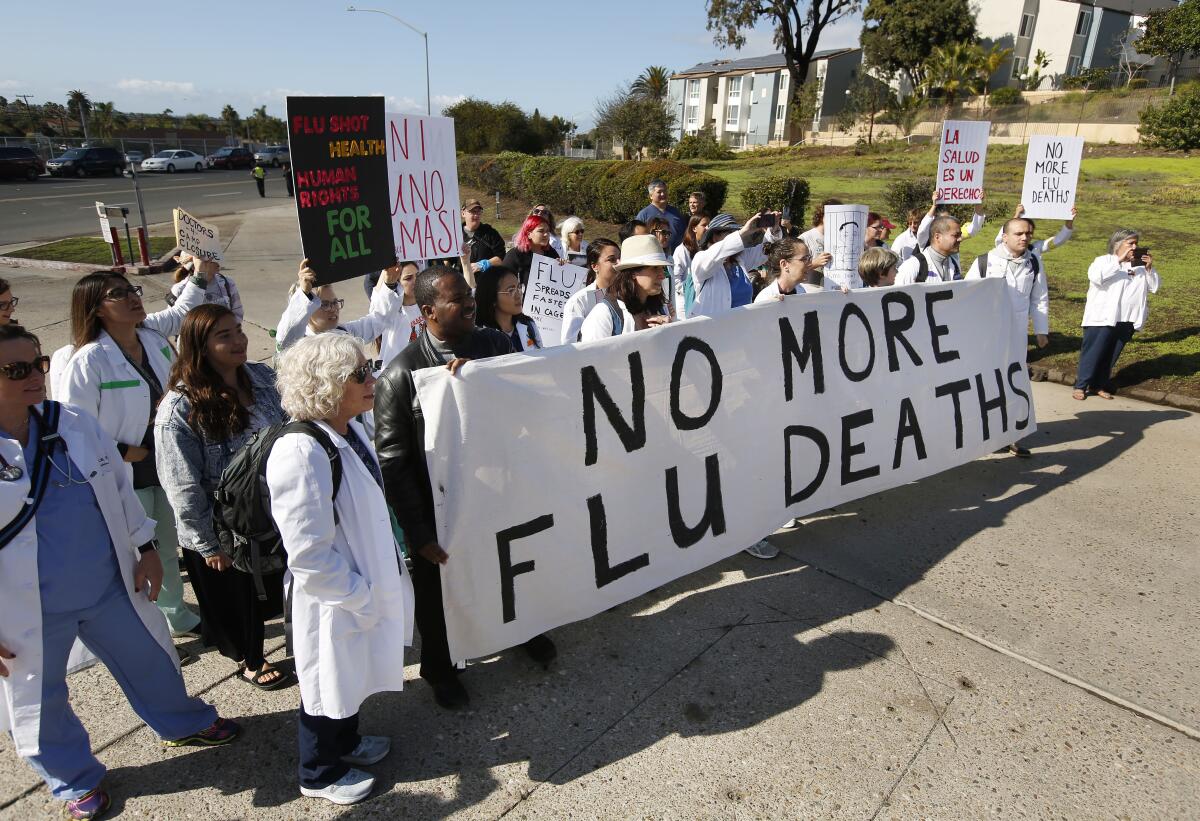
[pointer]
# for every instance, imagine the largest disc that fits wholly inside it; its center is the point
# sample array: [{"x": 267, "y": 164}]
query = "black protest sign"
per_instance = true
[{"x": 339, "y": 159}]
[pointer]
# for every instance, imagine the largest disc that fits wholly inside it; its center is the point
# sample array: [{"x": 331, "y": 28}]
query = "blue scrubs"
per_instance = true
[
  {"x": 741, "y": 291},
  {"x": 83, "y": 595}
]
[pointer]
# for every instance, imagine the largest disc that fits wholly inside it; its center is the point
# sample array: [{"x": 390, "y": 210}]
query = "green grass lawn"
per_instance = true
[
  {"x": 90, "y": 250},
  {"x": 1156, "y": 195}
]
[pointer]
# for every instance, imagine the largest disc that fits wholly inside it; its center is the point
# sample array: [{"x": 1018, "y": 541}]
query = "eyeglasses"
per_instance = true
[
  {"x": 123, "y": 292},
  {"x": 661, "y": 231},
  {"x": 9, "y": 303},
  {"x": 16, "y": 371},
  {"x": 330, "y": 304},
  {"x": 361, "y": 373},
  {"x": 514, "y": 292}
]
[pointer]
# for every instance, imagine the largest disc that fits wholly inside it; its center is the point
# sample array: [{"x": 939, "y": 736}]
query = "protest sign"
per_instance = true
[
  {"x": 550, "y": 286},
  {"x": 845, "y": 228},
  {"x": 105, "y": 225},
  {"x": 1051, "y": 176},
  {"x": 571, "y": 479},
  {"x": 961, "y": 159},
  {"x": 338, "y": 156},
  {"x": 201, "y": 240},
  {"x": 423, "y": 186}
]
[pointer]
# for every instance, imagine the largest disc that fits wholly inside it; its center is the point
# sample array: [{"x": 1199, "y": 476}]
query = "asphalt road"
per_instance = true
[{"x": 53, "y": 207}]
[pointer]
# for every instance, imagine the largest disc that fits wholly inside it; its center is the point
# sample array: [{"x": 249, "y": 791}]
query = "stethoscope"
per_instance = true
[{"x": 11, "y": 473}]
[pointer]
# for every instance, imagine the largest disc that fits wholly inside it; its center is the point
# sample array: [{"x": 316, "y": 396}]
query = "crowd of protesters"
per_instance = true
[{"x": 104, "y": 486}]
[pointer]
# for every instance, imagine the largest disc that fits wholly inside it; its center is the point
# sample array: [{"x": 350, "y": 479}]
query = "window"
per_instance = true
[
  {"x": 734, "y": 88},
  {"x": 1018, "y": 67},
  {"x": 1085, "y": 23},
  {"x": 783, "y": 80},
  {"x": 1073, "y": 65},
  {"x": 780, "y": 110},
  {"x": 692, "y": 111},
  {"x": 1027, "y": 21},
  {"x": 731, "y": 114},
  {"x": 737, "y": 140},
  {"x": 693, "y": 88}
]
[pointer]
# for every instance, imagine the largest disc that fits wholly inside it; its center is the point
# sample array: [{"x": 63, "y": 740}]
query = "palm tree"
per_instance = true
[
  {"x": 102, "y": 119},
  {"x": 653, "y": 83},
  {"x": 230, "y": 119},
  {"x": 83, "y": 105}
]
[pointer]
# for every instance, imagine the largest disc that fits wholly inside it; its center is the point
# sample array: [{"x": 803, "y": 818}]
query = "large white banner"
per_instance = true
[
  {"x": 961, "y": 160},
  {"x": 1051, "y": 176},
  {"x": 571, "y": 479},
  {"x": 423, "y": 183},
  {"x": 550, "y": 286}
]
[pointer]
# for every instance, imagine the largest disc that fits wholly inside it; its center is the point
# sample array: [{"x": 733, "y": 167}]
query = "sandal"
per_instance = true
[
  {"x": 261, "y": 680},
  {"x": 1079, "y": 394},
  {"x": 1104, "y": 394}
]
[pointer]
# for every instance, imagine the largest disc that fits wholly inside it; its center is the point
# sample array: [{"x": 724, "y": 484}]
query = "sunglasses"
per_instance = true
[
  {"x": 662, "y": 232},
  {"x": 361, "y": 373},
  {"x": 330, "y": 304},
  {"x": 123, "y": 292},
  {"x": 9, "y": 303},
  {"x": 16, "y": 371}
]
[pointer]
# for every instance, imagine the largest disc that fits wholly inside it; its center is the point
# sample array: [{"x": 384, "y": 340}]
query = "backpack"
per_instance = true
[
  {"x": 923, "y": 267},
  {"x": 617, "y": 321},
  {"x": 981, "y": 265},
  {"x": 242, "y": 505}
]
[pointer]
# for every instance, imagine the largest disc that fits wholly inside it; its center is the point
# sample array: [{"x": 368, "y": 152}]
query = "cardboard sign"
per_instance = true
[
  {"x": 1051, "y": 176},
  {"x": 422, "y": 170},
  {"x": 635, "y": 462},
  {"x": 201, "y": 240},
  {"x": 105, "y": 225},
  {"x": 550, "y": 286},
  {"x": 961, "y": 160},
  {"x": 339, "y": 159},
  {"x": 845, "y": 230}
]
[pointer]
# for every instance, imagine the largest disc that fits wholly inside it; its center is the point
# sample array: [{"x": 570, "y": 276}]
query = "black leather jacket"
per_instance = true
[{"x": 400, "y": 430}]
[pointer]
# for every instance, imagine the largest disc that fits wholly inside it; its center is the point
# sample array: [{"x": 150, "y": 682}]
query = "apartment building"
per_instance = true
[
  {"x": 748, "y": 102},
  {"x": 1076, "y": 35}
]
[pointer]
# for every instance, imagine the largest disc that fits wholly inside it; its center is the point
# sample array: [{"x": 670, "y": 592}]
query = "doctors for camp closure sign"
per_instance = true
[
  {"x": 550, "y": 286},
  {"x": 339, "y": 159},
  {"x": 961, "y": 160},
  {"x": 845, "y": 230},
  {"x": 200, "y": 239},
  {"x": 423, "y": 186},
  {"x": 571, "y": 479},
  {"x": 1051, "y": 176}
]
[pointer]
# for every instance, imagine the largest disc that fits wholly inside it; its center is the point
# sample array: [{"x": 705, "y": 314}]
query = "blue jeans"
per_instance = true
[
  {"x": 113, "y": 631},
  {"x": 1102, "y": 346}
]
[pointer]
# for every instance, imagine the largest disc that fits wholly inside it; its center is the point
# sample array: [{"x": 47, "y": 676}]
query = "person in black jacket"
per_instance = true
[{"x": 450, "y": 339}]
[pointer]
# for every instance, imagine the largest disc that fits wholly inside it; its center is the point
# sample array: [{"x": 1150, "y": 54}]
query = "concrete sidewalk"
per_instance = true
[{"x": 1010, "y": 638}]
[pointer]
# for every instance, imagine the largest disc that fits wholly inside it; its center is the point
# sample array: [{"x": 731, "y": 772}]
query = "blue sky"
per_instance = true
[{"x": 198, "y": 57}]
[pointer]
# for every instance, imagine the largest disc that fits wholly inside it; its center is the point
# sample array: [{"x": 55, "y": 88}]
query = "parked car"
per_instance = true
[
  {"x": 231, "y": 158},
  {"x": 18, "y": 162},
  {"x": 134, "y": 157},
  {"x": 79, "y": 162},
  {"x": 275, "y": 155},
  {"x": 177, "y": 159}
]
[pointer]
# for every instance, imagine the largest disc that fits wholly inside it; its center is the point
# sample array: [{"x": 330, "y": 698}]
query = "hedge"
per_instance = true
[
  {"x": 771, "y": 194},
  {"x": 906, "y": 194},
  {"x": 609, "y": 190}
]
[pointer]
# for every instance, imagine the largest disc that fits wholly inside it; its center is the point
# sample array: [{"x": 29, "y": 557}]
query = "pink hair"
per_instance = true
[{"x": 531, "y": 222}]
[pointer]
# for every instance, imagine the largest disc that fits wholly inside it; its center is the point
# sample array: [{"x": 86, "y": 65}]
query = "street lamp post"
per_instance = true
[{"x": 424, "y": 36}]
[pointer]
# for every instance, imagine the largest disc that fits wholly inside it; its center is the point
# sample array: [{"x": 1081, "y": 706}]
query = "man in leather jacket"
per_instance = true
[{"x": 450, "y": 339}]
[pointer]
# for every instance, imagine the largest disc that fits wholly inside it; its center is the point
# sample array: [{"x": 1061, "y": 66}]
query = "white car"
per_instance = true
[{"x": 174, "y": 160}]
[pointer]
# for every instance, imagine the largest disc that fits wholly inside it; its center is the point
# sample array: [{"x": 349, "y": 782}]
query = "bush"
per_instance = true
[
  {"x": 1175, "y": 124},
  {"x": 771, "y": 194},
  {"x": 701, "y": 146},
  {"x": 1138, "y": 83},
  {"x": 1006, "y": 95},
  {"x": 609, "y": 190}
]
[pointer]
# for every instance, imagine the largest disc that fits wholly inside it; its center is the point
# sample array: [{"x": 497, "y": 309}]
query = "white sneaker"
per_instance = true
[
  {"x": 351, "y": 788},
  {"x": 763, "y": 550},
  {"x": 793, "y": 524},
  {"x": 371, "y": 749}
]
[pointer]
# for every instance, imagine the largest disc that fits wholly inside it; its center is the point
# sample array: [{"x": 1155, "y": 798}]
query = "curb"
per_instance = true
[
  {"x": 1174, "y": 400},
  {"x": 156, "y": 267}
]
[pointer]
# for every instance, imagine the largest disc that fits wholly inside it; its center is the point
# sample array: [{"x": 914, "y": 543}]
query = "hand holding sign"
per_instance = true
[{"x": 1051, "y": 176}]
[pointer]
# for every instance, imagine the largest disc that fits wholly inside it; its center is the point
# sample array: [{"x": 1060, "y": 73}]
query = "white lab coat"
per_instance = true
[
  {"x": 908, "y": 271},
  {"x": 95, "y": 454},
  {"x": 598, "y": 324},
  {"x": 100, "y": 380},
  {"x": 352, "y": 603},
  {"x": 1029, "y": 295},
  {"x": 1041, "y": 246},
  {"x": 293, "y": 324},
  {"x": 1117, "y": 292},
  {"x": 713, "y": 297},
  {"x": 399, "y": 321},
  {"x": 578, "y": 306}
]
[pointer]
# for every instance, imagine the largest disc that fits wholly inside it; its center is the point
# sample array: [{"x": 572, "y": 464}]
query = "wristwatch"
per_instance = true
[{"x": 148, "y": 546}]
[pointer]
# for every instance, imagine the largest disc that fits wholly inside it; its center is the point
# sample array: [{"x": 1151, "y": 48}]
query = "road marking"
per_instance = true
[
  {"x": 144, "y": 190},
  {"x": 226, "y": 194}
]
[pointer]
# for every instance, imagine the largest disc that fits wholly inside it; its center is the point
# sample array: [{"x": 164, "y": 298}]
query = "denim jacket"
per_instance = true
[{"x": 190, "y": 464}]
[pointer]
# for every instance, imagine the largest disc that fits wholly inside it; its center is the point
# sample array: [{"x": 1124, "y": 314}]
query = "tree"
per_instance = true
[
  {"x": 899, "y": 35},
  {"x": 653, "y": 83},
  {"x": 230, "y": 120},
  {"x": 865, "y": 98},
  {"x": 1172, "y": 34},
  {"x": 1031, "y": 75},
  {"x": 57, "y": 113},
  {"x": 798, "y": 26},
  {"x": 638, "y": 122},
  {"x": 903, "y": 112},
  {"x": 961, "y": 69},
  {"x": 489, "y": 128},
  {"x": 83, "y": 106},
  {"x": 103, "y": 119}
]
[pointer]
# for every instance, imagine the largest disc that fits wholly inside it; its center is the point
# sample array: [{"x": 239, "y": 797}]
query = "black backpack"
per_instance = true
[
  {"x": 242, "y": 503},
  {"x": 923, "y": 267},
  {"x": 981, "y": 265}
]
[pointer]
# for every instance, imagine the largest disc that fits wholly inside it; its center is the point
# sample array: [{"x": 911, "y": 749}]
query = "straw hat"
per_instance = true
[{"x": 641, "y": 251}]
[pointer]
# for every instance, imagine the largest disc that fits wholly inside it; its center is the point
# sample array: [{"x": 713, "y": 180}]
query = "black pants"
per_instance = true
[
  {"x": 231, "y": 615},
  {"x": 436, "y": 665},
  {"x": 323, "y": 742},
  {"x": 262, "y": 186}
]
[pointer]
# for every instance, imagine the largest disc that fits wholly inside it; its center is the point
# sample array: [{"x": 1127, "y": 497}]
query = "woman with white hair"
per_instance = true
[
  {"x": 352, "y": 600},
  {"x": 1119, "y": 285},
  {"x": 574, "y": 246}
]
